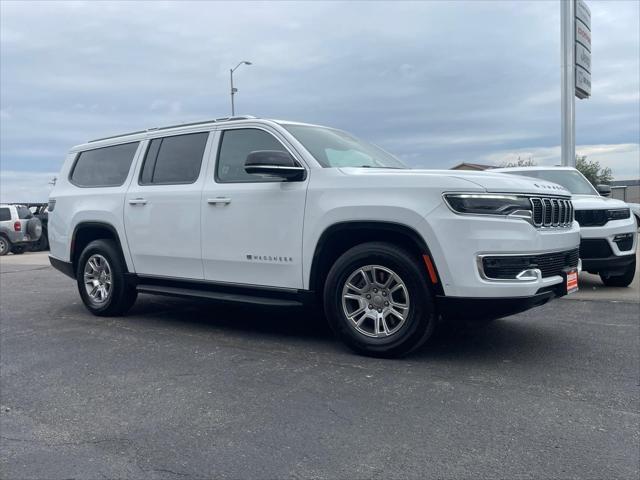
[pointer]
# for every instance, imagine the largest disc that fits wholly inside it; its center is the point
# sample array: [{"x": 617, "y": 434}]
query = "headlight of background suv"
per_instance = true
[
  {"x": 618, "y": 214},
  {"x": 489, "y": 204}
]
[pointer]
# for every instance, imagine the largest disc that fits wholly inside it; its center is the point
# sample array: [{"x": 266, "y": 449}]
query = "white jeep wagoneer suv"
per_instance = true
[{"x": 282, "y": 213}]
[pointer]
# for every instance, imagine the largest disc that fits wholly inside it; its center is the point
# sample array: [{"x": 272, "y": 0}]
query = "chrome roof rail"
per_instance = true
[
  {"x": 116, "y": 136},
  {"x": 153, "y": 129}
]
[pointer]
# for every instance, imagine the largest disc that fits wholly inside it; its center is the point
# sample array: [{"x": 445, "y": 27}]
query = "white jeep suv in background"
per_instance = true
[
  {"x": 607, "y": 227},
  {"x": 283, "y": 213}
]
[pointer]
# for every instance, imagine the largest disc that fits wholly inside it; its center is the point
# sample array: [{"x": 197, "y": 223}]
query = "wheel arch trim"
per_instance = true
[
  {"x": 380, "y": 225},
  {"x": 74, "y": 255}
]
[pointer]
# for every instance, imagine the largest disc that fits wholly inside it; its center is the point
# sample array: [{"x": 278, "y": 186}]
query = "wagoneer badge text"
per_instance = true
[{"x": 270, "y": 258}]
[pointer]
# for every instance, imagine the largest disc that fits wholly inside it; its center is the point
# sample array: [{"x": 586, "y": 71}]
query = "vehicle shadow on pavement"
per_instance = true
[
  {"x": 263, "y": 321},
  {"x": 506, "y": 338}
]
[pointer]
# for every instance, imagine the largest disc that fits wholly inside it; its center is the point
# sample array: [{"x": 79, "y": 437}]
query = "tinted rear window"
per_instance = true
[
  {"x": 174, "y": 159},
  {"x": 24, "y": 213},
  {"x": 5, "y": 214},
  {"x": 104, "y": 167}
]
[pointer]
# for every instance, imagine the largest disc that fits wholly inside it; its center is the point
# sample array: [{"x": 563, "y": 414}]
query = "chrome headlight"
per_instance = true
[{"x": 489, "y": 204}]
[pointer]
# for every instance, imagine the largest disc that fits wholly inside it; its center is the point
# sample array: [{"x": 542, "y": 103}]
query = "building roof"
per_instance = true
[
  {"x": 626, "y": 183},
  {"x": 472, "y": 166}
]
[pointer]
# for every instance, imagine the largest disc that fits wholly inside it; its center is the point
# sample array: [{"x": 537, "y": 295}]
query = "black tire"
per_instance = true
[
  {"x": 623, "y": 280},
  {"x": 122, "y": 295},
  {"x": 420, "y": 319},
  {"x": 42, "y": 243},
  {"x": 18, "y": 250},
  {"x": 5, "y": 245}
]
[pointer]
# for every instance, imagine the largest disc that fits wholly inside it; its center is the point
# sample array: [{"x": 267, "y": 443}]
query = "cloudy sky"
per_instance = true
[{"x": 435, "y": 82}]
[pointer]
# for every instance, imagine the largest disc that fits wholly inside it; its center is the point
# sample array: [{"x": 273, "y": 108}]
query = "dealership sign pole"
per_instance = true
[{"x": 575, "y": 17}]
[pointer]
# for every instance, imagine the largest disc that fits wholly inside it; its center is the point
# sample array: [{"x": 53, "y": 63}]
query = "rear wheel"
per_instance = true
[
  {"x": 42, "y": 243},
  {"x": 5, "y": 246},
  {"x": 377, "y": 301},
  {"x": 623, "y": 280},
  {"x": 101, "y": 280}
]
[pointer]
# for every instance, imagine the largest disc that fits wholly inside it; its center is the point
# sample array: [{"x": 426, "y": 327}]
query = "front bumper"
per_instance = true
[
  {"x": 459, "y": 242},
  {"x": 470, "y": 308},
  {"x": 609, "y": 232},
  {"x": 616, "y": 265}
]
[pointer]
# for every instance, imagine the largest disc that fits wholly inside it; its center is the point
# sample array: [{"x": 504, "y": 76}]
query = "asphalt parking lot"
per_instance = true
[{"x": 181, "y": 389}]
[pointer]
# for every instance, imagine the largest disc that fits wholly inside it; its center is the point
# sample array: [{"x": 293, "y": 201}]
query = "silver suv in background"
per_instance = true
[{"x": 18, "y": 229}]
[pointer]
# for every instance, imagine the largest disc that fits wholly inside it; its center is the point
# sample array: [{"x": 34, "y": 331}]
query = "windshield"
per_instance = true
[
  {"x": 335, "y": 148},
  {"x": 569, "y": 179}
]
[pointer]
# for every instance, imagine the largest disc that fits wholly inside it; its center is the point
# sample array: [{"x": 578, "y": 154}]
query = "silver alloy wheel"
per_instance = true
[
  {"x": 375, "y": 300},
  {"x": 97, "y": 278},
  {"x": 4, "y": 246}
]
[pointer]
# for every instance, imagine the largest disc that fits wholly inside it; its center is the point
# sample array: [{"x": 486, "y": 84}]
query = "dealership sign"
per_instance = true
[{"x": 582, "y": 49}]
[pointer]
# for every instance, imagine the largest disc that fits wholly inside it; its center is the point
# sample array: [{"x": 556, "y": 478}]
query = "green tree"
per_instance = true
[
  {"x": 593, "y": 171},
  {"x": 520, "y": 162}
]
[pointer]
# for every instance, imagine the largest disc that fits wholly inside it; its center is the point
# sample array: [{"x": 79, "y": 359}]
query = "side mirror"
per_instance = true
[
  {"x": 274, "y": 163},
  {"x": 604, "y": 190}
]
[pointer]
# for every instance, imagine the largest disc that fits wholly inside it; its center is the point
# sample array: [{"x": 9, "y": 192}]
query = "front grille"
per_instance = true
[
  {"x": 591, "y": 218},
  {"x": 506, "y": 267},
  {"x": 552, "y": 212},
  {"x": 595, "y": 248}
]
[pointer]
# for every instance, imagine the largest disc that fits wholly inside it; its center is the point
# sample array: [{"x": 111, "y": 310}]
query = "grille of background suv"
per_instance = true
[
  {"x": 591, "y": 218},
  {"x": 595, "y": 248}
]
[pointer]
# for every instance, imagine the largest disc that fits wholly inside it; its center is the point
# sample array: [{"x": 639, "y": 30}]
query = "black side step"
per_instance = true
[{"x": 217, "y": 295}]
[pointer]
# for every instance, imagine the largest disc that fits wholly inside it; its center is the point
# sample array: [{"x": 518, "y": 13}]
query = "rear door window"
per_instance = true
[
  {"x": 103, "y": 167},
  {"x": 5, "y": 214},
  {"x": 174, "y": 160}
]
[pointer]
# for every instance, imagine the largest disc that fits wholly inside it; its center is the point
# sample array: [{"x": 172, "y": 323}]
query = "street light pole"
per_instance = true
[{"x": 233, "y": 89}]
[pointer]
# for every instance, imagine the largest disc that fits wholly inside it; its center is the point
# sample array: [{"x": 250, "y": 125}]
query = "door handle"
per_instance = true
[
  {"x": 217, "y": 200},
  {"x": 137, "y": 201}
]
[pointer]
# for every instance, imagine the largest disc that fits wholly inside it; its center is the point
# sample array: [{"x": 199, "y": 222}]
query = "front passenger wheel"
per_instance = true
[
  {"x": 377, "y": 300},
  {"x": 101, "y": 280},
  {"x": 623, "y": 280}
]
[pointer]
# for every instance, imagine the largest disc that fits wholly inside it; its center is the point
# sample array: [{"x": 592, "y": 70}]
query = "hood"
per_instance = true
[
  {"x": 596, "y": 202},
  {"x": 491, "y": 182}
]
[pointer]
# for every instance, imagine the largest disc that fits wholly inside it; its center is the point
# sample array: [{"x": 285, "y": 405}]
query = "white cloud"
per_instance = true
[{"x": 17, "y": 186}]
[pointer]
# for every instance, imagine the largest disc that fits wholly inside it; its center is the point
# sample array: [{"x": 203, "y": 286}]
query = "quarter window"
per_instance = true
[
  {"x": 172, "y": 160},
  {"x": 235, "y": 145},
  {"x": 103, "y": 167}
]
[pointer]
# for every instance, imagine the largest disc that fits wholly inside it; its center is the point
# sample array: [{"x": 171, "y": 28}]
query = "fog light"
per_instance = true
[{"x": 624, "y": 241}]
